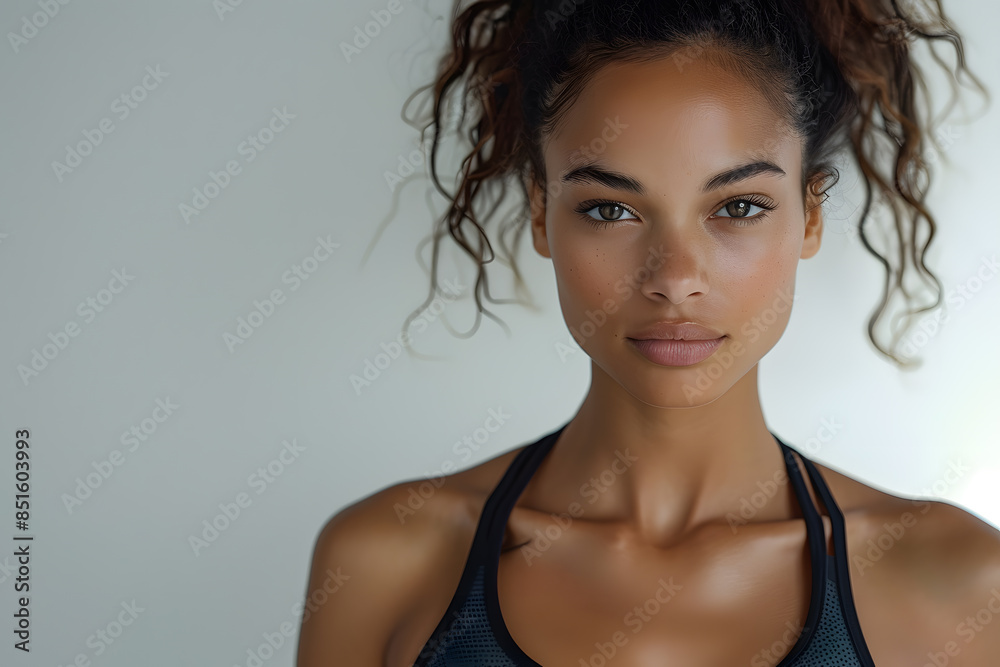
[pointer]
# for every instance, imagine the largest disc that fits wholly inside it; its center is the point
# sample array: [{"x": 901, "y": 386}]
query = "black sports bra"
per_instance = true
[{"x": 472, "y": 631}]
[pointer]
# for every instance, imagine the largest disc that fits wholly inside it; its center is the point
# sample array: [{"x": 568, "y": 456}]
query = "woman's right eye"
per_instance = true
[{"x": 608, "y": 211}]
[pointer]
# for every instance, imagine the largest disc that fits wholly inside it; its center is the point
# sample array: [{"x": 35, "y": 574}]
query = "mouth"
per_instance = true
[{"x": 676, "y": 352}]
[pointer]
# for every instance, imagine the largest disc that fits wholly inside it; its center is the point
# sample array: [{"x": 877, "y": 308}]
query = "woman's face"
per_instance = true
[{"x": 674, "y": 234}]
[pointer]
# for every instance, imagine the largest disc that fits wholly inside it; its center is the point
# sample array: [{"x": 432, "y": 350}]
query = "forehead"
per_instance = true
[{"x": 669, "y": 116}]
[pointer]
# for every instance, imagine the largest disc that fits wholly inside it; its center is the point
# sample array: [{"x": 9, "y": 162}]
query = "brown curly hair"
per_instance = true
[{"x": 841, "y": 71}]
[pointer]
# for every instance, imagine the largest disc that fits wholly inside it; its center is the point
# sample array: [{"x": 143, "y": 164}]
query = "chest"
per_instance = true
[{"x": 586, "y": 597}]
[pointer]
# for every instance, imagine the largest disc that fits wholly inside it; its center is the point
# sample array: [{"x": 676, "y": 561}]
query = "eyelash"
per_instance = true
[{"x": 755, "y": 200}]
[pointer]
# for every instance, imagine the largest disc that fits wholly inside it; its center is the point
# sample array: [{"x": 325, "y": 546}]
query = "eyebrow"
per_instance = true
[{"x": 595, "y": 173}]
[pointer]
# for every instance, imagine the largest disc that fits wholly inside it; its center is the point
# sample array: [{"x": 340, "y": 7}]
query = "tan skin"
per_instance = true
[{"x": 697, "y": 454}]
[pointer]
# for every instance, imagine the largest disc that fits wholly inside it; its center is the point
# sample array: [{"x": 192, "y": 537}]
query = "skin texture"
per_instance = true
[{"x": 699, "y": 448}]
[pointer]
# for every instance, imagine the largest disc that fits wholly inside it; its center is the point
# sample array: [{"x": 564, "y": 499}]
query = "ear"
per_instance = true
[
  {"x": 814, "y": 220},
  {"x": 536, "y": 199}
]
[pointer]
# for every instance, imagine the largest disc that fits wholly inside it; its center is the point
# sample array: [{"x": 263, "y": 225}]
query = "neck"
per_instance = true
[{"x": 663, "y": 472}]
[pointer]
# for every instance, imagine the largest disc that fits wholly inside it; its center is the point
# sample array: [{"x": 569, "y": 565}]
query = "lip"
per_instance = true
[
  {"x": 676, "y": 352},
  {"x": 676, "y": 342},
  {"x": 677, "y": 330}
]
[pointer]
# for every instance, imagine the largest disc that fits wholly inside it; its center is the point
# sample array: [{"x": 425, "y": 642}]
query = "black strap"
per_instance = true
[
  {"x": 508, "y": 490},
  {"x": 842, "y": 564},
  {"x": 817, "y": 551}
]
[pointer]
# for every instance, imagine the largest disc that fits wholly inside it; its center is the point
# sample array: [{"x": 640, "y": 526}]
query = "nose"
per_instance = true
[{"x": 675, "y": 271}]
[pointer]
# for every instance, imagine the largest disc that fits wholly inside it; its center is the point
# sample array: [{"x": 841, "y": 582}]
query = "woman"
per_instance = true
[{"x": 674, "y": 157}]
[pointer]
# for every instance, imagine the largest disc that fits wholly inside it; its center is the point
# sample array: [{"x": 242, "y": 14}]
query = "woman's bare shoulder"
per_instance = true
[
  {"x": 940, "y": 531},
  {"x": 938, "y": 560},
  {"x": 403, "y": 509},
  {"x": 420, "y": 516},
  {"x": 388, "y": 549}
]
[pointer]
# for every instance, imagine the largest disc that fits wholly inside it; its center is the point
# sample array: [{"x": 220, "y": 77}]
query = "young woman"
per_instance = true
[{"x": 674, "y": 158}]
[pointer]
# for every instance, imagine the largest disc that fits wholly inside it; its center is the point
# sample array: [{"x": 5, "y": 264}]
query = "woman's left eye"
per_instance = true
[{"x": 739, "y": 209}]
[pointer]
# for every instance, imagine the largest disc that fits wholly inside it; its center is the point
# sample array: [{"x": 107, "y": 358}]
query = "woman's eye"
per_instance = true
[
  {"x": 608, "y": 212},
  {"x": 740, "y": 208}
]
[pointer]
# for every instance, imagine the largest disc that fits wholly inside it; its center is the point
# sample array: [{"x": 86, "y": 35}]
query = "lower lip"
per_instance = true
[{"x": 676, "y": 352}]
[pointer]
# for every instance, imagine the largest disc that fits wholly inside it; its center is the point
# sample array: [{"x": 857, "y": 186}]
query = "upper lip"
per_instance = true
[{"x": 677, "y": 330}]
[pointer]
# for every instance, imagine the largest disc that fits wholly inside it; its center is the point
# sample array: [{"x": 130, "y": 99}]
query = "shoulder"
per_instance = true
[
  {"x": 952, "y": 565},
  {"x": 950, "y": 540},
  {"x": 405, "y": 513},
  {"x": 411, "y": 513},
  {"x": 384, "y": 551},
  {"x": 939, "y": 562}
]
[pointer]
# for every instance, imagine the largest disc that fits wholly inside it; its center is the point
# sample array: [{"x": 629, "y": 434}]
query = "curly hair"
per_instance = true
[{"x": 840, "y": 71}]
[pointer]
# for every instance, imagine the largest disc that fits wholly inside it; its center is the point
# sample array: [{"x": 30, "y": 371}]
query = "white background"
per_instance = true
[{"x": 323, "y": 175}]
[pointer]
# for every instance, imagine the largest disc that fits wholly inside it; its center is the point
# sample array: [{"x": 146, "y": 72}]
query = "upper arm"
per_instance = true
[
  {"x": 366, "y": 569},
  {"x": 977, "y": 627},
  {"x": 954, "y": 567}
]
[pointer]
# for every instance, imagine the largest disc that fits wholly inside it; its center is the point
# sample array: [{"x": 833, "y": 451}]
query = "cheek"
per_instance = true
[
  {"x": 584, "y": 275},
  {"x": 755, "y": 251},
  {"x": 759, "y": 276},
  {"x": 587, "y": 274}
]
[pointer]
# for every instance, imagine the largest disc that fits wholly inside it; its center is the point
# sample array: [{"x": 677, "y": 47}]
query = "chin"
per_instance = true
[
  {"x": 676, "y": 394},
  {"x": 672, "y": 386}
]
